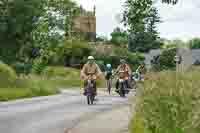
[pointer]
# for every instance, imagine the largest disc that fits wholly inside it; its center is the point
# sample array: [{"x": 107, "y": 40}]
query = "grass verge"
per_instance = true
[
  {"x": 48, "y": 83},
  {"x": 168, "y": 103}
]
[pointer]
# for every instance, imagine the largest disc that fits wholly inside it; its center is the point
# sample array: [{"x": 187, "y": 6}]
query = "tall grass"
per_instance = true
[{"x": 168, "y": 103}]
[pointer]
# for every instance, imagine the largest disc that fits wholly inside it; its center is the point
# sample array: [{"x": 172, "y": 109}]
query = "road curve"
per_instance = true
[{"x": 65, "y": 113}]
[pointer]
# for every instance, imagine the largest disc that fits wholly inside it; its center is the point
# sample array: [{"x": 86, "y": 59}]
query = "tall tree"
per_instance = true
[{"x": 141, "y": 17}]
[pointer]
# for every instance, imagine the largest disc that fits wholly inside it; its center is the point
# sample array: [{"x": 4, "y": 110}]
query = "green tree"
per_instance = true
[
  {"x": 26, "y": 23},
  {"x": 141, "y": 17},
  {"x": 18, "y": 19},
  {"x": 119, "y": 37}
]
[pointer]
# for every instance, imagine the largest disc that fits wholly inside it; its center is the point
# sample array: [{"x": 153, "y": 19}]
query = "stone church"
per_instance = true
[{"x": 85, "y": 25}]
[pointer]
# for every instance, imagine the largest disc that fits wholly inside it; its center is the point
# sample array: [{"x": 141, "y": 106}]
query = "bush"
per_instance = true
[
  {"x": 7, "y": 75},
  {"x": 22, "y": 68},
  {"x": 168, "y": 107},
  {"x": 38, "y": 66},
  {"x": 165, "y": 61}
]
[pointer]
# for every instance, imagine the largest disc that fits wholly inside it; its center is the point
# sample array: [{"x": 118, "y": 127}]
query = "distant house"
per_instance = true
[{"x": 189, "y": 57}]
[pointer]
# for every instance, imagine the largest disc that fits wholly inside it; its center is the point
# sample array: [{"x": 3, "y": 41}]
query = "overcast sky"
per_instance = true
[{"x": 179, "y": 21}]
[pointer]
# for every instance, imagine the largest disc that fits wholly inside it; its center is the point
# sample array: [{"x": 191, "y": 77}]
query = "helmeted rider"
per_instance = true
[
  {"x": 108, "y": 75},
  {"x": 123, "y": 71},
  {"x": 108, "y": 71},
  {"x": 90, "y": 69}
]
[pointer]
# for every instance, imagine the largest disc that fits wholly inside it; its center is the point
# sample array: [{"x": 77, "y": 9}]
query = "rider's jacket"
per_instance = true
[
  {"x": 90, "y": 69},
  {"x": 124, "y": 71}
]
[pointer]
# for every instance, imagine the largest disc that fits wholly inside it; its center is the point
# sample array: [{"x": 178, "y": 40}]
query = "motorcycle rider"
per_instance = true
[
  {"x": 90, "y": 69},
  {"x": 123, "y": 70}
]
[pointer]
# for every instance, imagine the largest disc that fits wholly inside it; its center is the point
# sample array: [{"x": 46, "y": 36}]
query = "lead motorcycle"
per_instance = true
[
  {"x": 123, "y": 88},
  {"x": 90, "y": 90}
]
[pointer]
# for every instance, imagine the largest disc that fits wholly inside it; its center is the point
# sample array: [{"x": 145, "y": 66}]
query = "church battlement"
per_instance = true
[{"x": 84, "y": 12}]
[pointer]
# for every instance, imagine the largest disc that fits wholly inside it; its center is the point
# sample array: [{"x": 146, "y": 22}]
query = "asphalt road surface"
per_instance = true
[{"x": 65, "y": 113}]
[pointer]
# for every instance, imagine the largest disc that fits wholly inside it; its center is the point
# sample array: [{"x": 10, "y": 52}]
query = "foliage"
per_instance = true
[
  {"x": 18, "y": 19},
  {"x": 8, "y": 52},
  {"x": 7, "y": 75},
  {"x": 141, "y": 17},
  {"x": 118, "y": 53},
  {"x": 21, "y": 67},
  {"x": 39, "y": 65},
  {"x": 119, "y": 37},
  {"x": 194, "y": 43},
  {"x": 165, "y": 60},
  {"x": 76, "y": 52},
  {"x": 26, "y": 25},
  {"x": 168, "y": 107},
  {"x": 66, "y": 10}
]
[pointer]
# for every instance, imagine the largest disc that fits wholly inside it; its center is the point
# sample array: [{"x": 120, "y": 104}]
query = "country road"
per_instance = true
[{"x": 65, "y": 113}]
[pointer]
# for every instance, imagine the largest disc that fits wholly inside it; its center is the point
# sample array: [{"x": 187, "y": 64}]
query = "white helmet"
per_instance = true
[
  {"x": 108, "y": 65},
  {"x": 90, "y": 58}
]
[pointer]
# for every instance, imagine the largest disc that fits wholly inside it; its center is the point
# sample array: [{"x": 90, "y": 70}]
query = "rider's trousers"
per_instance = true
[
  {"x": 126, "y": 82},
  {"x": 85, "y": 86}
]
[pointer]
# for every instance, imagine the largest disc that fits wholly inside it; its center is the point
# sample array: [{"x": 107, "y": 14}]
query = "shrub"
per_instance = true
[
  {"x": 38, "y": 66},
  {"x": 168, "y": 107},
  {"x": 22, "y": 68},
  {"x": 7, "y": 75},
  {"x": 165, "y": 61}
]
